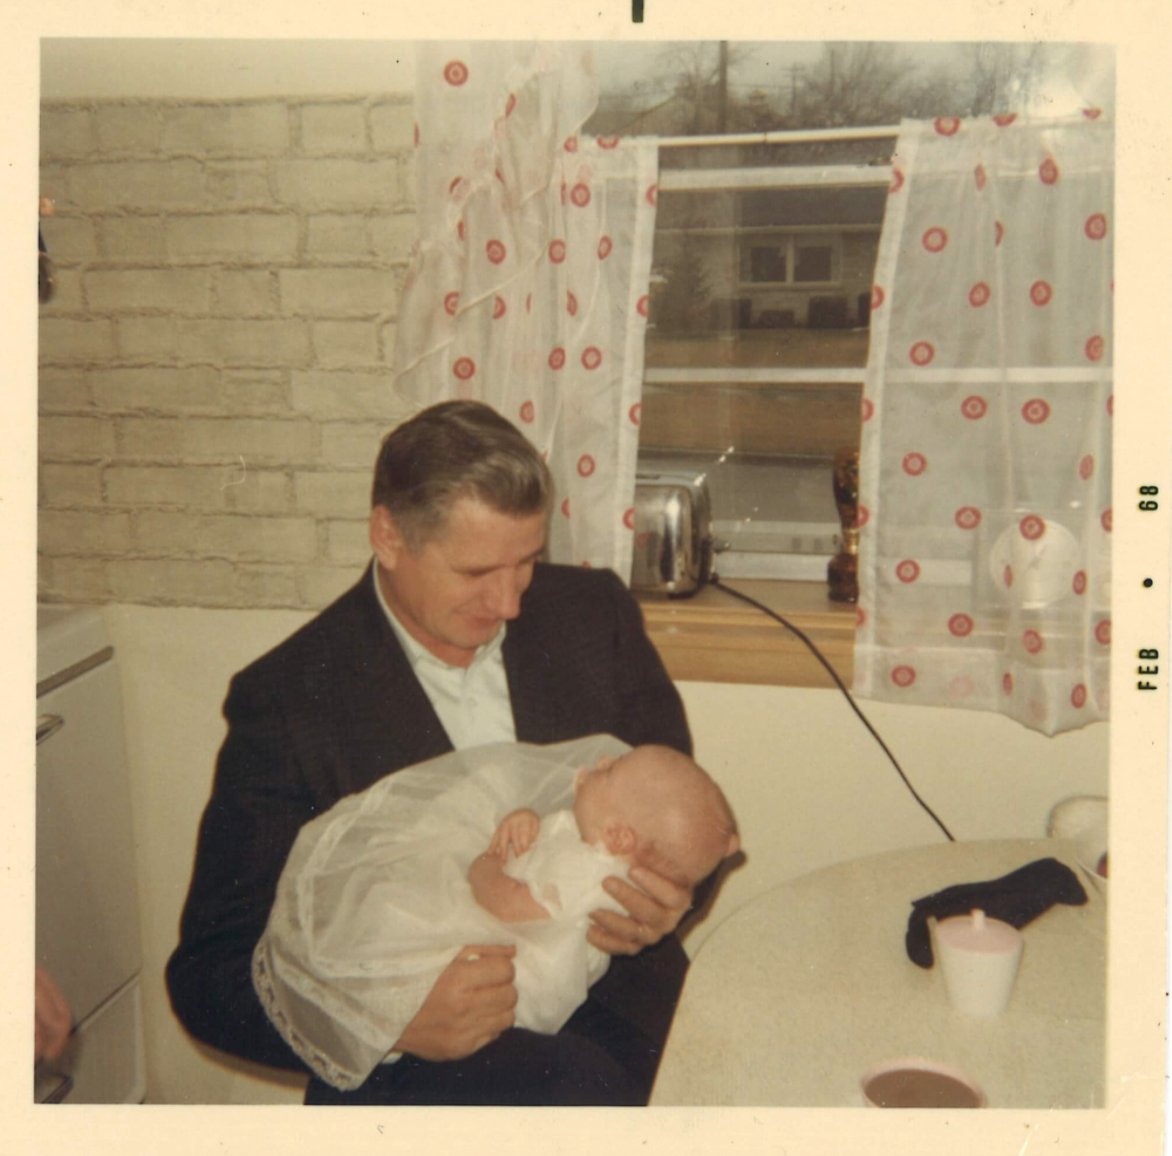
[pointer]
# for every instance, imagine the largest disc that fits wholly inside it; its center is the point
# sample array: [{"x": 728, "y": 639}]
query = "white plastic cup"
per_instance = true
[{"x": 979, "y": 958}]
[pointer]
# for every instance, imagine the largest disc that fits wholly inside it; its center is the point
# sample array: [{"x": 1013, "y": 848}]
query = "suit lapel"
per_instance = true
[
  {"x": 529, "y": 650},
  {"x": 382, "y": 700}
]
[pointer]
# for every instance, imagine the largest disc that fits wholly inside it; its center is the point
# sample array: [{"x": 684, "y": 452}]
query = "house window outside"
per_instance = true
[
  {"x": 757, "y": 342},
  {"x": 766, "y": 263},
  {"x": 813, "y": 261},
  {"x": 788, "y": 260}
]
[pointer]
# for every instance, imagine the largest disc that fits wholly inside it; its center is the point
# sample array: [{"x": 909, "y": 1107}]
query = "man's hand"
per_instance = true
[
  {"x": 654, "y": 906},
  {"x": 470, "y": 1005},
  {"x": 53, "y": 1020}
]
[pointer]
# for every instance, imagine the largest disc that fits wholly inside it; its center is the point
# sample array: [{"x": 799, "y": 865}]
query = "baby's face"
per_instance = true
[
  {"x": 602, "y": 794},
  {"x": 635, "y": 792}
]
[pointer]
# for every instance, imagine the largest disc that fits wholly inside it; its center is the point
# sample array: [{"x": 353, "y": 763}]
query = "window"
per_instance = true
[
  {"x": 787, "y": 260},
  {"x": 767, "y": 231},
  {"x": 766, "y": 262},
  {"x": 812, "y": 261},
  {"x": 760, "y": 310}
]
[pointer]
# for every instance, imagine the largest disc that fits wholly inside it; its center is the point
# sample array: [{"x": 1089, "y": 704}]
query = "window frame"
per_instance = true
[
  {"x": 709, "y": 636},
  {"x": 741, "y": 178}
]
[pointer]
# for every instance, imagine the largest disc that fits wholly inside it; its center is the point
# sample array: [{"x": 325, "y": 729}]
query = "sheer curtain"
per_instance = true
[
  {"x": 529, "y": 286},
  {"x": 985, "y": 473}
]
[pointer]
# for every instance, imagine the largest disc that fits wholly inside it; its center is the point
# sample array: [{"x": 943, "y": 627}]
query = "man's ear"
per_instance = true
[
  {"x": 385, "y": 539},
  {"x": 618, "y": 837}
]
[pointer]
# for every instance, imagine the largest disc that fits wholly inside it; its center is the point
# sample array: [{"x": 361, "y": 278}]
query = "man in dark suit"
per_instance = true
[{"x": 458, "y": 635}]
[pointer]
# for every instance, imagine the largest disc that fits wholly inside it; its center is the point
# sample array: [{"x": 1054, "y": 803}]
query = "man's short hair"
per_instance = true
[{"x": 453, "y": 450}]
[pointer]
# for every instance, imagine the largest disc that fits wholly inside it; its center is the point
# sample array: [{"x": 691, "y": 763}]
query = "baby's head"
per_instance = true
[{"x": 658, "y": 809}]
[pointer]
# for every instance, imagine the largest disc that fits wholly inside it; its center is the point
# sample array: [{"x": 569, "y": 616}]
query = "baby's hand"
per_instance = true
[{"x": 516, "y": 832}]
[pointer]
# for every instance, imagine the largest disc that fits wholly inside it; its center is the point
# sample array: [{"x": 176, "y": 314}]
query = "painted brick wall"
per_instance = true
[{"x": 215, "y": 363}]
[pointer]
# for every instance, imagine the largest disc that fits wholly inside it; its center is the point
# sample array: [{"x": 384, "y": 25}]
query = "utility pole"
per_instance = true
[
  {"x": 722, "y": 117},
  {"x": 794, "y": 70}
]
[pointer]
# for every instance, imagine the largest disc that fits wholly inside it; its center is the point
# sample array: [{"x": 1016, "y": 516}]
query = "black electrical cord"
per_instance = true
[{"x": 716, "y": 581}]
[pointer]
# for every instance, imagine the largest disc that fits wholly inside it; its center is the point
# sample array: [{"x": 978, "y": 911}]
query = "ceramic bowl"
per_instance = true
[{"x": 1082, "y": 821}]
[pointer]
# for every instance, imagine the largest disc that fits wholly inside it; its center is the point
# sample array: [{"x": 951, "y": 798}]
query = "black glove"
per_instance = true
[{"x": 1016, "y": 899}]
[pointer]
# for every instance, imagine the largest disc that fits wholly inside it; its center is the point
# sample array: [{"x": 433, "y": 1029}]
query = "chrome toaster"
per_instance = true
[{"x": 673, "y": 533}]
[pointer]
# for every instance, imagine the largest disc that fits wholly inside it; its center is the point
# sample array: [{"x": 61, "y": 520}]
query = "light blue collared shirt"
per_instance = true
[{"x": 472, "y": 702}]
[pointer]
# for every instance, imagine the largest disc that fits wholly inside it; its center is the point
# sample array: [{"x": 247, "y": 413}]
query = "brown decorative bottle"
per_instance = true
[{"x": 842, "y": 574}]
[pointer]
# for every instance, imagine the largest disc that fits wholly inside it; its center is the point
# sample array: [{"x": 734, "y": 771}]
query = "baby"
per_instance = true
[
  {"x": 652, "y": 807},
  {"x": 383, "y": 891}
]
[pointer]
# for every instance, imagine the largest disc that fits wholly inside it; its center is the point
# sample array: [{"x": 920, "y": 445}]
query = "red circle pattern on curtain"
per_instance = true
[
  {"x": 525, "y": 290},
  {"x": 986, "y": 448}
]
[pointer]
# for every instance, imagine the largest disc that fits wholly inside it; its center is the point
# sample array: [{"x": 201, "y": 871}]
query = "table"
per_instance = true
[{"x": 802, "y": 990}]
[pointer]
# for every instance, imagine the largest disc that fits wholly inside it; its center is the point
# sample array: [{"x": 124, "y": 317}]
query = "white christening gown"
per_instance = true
[{"x": 374, "y": 902}]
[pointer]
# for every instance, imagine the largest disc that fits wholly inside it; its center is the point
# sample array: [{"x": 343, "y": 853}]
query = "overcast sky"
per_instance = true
[{"x": 1077, "y": 75}]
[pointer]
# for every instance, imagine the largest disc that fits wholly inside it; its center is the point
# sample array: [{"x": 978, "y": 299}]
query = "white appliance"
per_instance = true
[{"x": 87, "y": 923}]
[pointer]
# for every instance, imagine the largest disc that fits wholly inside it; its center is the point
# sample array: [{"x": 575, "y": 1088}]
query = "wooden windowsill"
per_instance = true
[{"x": 714, "y": 637}]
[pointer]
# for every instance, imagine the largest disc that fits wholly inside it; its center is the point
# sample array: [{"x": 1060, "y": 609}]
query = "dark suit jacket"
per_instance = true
[{"x": 336, "y": 707}]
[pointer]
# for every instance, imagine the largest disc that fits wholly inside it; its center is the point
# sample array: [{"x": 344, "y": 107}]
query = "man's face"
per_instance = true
[{"x": 455, "y": 592}]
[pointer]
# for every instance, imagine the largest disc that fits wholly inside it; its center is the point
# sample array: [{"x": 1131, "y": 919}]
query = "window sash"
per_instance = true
[
  {"x": 686, "y": 422},
  {"x": 773, "y": 177},
  {"x": 759, "y": 375}
]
